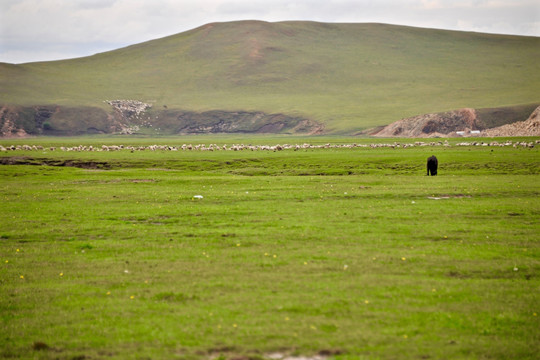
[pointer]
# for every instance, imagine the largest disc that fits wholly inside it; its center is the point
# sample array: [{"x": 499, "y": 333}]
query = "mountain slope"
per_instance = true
[{"x": 348, "y": 77}]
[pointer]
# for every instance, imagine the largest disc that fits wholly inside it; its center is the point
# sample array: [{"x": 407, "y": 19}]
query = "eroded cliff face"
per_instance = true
[
  {"x": 464, "y": 122},
  {"x": 210, "y": 122},
  {"x": 529, "y": 127},
  {"x": 432, "y": 125},
  {"x": 133, "y": 116},
  {"x": 20, "y": 121},
  {"x": 10, "y": 124}
]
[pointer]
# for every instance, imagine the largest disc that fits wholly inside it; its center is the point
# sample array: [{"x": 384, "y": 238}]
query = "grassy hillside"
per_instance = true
[{"x": 348, "y": 76}]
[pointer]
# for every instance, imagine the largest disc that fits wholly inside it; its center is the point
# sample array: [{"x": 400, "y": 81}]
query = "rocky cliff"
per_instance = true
[
  {"x": 529, "y": 127},
  {"x": 431, "y": 125},
  {"x": 463, "y": 122},
  {"x": 210, "y": 122},
  {"x": 133, "y": 116}
]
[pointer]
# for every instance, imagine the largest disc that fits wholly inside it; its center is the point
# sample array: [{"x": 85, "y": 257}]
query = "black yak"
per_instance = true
[{"x": 432, "y": 165}]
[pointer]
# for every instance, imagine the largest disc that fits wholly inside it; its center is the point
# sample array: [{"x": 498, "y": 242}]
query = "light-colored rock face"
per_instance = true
[
  {"x": 529, "y": 127},
  {"x": 463, "y": 122},
  {"x": 8, "y": 127},
  {"x": 432, "y": 125},
  {"x": 129, "y": 108}
]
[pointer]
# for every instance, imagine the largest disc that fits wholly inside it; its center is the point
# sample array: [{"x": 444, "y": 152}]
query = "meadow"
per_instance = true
[{"x": 338, "y": 253}]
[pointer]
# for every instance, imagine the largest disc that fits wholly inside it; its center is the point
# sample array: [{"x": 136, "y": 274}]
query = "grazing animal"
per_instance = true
[{"x": 432, "y": 165}]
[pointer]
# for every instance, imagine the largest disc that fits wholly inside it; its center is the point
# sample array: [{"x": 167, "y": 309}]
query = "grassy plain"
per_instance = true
[{"x": 331, "y": 251}]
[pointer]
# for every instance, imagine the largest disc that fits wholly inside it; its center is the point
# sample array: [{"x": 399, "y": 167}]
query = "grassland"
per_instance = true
[
  {"x": 332, "y": 251},
  {"x": 348, "y": 76}
]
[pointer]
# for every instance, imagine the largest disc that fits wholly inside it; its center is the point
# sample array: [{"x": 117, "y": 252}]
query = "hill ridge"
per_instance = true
[{"x": 345, "y": 77}]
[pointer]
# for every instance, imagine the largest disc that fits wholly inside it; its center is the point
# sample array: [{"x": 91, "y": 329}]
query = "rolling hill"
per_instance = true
[{"x": 253, "y": 76}]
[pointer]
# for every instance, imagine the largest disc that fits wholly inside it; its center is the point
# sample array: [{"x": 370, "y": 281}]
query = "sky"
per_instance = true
[{"x": 43, "y": 30}]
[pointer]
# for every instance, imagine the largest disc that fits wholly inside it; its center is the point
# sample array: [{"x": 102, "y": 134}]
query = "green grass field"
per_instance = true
[{"x": 348, "y": 253}]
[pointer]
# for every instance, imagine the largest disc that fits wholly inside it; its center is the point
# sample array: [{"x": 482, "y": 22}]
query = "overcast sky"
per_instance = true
[{"x": 37, "y": 30}]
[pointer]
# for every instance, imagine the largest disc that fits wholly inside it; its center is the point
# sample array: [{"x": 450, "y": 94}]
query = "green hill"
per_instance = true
[{"x": 348, "y": 77}]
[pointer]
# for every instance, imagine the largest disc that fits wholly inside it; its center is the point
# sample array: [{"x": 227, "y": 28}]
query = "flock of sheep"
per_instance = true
[{"x": 242, "y": 147}]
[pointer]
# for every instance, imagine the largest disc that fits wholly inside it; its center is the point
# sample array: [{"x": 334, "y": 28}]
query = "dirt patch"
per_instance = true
[
  {"x": 231, "y": 353},
  {"x": 143, "y": 181},
  {"x": 22, "y": 160},
  {"x": 321, "y": 355},
  {"x": 456, "y": 196}
]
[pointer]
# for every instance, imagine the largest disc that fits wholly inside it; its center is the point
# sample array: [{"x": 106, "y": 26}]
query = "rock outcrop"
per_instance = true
[
  {"x": 244, "y": 122},
  {"x": 465, "y": 122},
  {"x": 21, "y": 121},
  {"x": 529, "y": 127},
  {"x": 9, "y": 120},
  {"x": 432, "y": 125},
  {"x": 129, "y": 109},
  {"x": 133, "y": 116}
]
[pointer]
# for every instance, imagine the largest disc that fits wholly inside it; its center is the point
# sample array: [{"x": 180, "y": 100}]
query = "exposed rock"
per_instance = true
[
  {"x": 20, "y": 121},
  {"x": 9, "y": 123},
  {"x": 243, "y": 122},
  {"x": 129, "y": 108},
  {"x": 131, "y": 116},
  {"x": 432, "y": 125},
  {"x": 529, "y": 127},
  {"x": 127, "y": 112},
  {"x": 464, "y": 122},
  {"x": 42, "y": 115}
]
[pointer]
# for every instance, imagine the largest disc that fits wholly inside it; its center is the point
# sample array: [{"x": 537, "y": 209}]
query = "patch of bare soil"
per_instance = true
[
  {"x": 230, "y": 353},
  {"x": 456, "y": 196},
  {"x": 143, "y": 181},
  {"x": 23, "y": 160},
  {"x": 322, "y": 355}
]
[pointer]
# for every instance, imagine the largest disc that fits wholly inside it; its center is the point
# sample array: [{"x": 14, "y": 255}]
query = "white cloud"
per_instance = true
[
  {"x": 32, "y": 30},
  {"x": 476, "y": 4}
]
